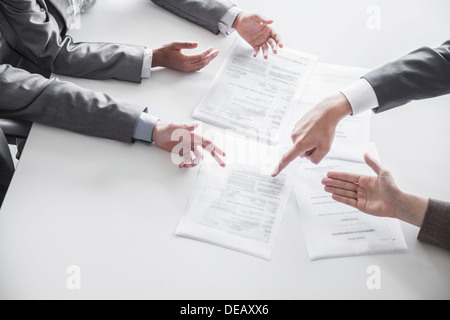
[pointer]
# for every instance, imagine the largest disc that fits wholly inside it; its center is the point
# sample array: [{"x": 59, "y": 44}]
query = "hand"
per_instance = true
[
  {"x": 378, "y": 196},
  {"x": 257, "y": 31},
  {"x": 182, "y": 140},
  {"x": 172, "y": 57},
  {"x": 314, "y": 133}
]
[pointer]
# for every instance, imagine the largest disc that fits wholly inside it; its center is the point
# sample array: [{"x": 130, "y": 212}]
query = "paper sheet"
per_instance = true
[
  {"x": 254, "y": 96},
  {"x": 241, "y": 206},
  {"x": 335, "y": 230}
]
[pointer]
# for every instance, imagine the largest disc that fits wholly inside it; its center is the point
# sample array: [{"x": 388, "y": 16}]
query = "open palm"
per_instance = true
[{"x": 373, "y": 195}]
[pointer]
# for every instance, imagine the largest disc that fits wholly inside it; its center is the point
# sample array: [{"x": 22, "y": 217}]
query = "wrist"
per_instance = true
[
  {"x": 337, "y": 107},
  {"x": 155, "y": 135},
  {"x": 411, "y": 208},
  {"x": 237, "y": 21},
  {"x": 157, "y": 58}
]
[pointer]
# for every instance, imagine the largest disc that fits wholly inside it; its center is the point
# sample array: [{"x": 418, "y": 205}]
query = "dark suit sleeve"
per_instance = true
[
  {"x": 65, "y": 105},
  {"x": 203, "y": 13},
  {"x": 436, "y": 225},
  {"x": 33, "y": 32},
  {"x": 424, "y": 73}
]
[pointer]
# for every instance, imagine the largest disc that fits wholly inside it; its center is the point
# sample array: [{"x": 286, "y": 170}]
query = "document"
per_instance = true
[
  {"x": 239, "y": 207},
  {"x": 335, "y": 230},
  {"x": 254, "y": 96}
]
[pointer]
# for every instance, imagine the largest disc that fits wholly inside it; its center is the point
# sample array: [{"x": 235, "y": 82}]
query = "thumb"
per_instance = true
[
  {"x": 372, "y": 163},
  {"x": 189, "y": 127},
  {"x": 184, "y": 45},
  {"x": 262, "y": 19}
]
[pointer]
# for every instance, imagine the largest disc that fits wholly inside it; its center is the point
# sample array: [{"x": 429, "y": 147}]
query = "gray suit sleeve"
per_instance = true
[
  {"x": 422, "y": 74},
  {"x": 65, "y": 105},
  {"x": 203, "y": 13},
  {"x": 34, "y": 33}
]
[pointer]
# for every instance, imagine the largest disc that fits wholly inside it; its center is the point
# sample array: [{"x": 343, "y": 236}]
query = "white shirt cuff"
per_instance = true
[
  {"x": 147, "y": 65},
  {"x": 226, "y": 22},
  {"x": 144, "y": 128},
  {"x": 361, "y": 96}
]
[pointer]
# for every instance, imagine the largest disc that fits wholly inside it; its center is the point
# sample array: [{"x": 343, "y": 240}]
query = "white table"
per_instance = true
[{"x": 111, "y": 208}]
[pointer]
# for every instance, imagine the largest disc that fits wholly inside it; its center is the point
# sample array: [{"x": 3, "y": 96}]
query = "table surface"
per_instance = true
[{"x": 111, "y": 208}]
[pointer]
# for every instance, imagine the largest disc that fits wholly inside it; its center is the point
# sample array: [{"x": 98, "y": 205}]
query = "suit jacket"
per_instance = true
[
  {"x": 33, "y": 37},
  {"x": 6, "y": 166},
  {"x": 204, "y": 13},
  {"x": 65, "y": 105},
  {"x": 424, "y": 73}
]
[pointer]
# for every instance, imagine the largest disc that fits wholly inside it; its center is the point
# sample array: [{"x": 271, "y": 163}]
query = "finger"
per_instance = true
[
  {"x": 265, "y": 50},
  {"x": 184, "y": 45},
  {"x": 317, "y": 155},
  {"x": 212, "y": 149},
  {"x": 371, "y": 162},
  {"x": 348, "y": 201},
  {"x": 209, "y": 144},
  {"x": 273, "y": 45},
  {"x": 188, "y": 127},
  {"x": 277, "y": 39},
  {"x": 203, "y": 63},
  {"x": 262, "y": 19},
  {"x": 348, "y": 177},
  {"x": 256, "y": 51},
  {"x": 197, "y": 159},
  {"x": 290, "y": 156},
  {"x": 200, "y": 56},
  {"x": 187, "y": 157},
  {"x": 341, "y": 184},
  {"x": 341, "y": 192}
]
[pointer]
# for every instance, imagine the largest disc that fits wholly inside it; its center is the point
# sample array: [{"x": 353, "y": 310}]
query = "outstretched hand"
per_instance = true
[
  {"x": 182, "y": 140},
  {"x": 171, "y": 56},
  {"x": 258, "y": 32},
  {"x": 378, "y": 196}
]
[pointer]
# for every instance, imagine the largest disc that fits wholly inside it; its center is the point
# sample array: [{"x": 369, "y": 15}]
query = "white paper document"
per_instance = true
[
  {"x": 239, "y": 207},
  {"x": 333, "y": 229},
  {"x": 254, "y": 96}
]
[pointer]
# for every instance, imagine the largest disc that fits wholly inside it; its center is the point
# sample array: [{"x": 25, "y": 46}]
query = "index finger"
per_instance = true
[
  {"x": 343, "y": 176},
  {"x": 211, "y": 148},
  {"x": 290, "y": 156}
]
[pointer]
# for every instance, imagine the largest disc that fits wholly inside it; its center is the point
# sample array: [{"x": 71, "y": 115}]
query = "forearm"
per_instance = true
[
  {"x": 65, "y": 105},
  {"x": 98, "y": 61}
]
